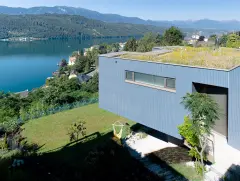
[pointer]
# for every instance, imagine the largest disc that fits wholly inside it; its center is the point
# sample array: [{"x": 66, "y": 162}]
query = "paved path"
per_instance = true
[
  {"x": 226, "y": 157},
  {"x": 139, "y": 148}
]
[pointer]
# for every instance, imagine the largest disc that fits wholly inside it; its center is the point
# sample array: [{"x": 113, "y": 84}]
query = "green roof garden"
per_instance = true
[{"x": 218, "y": 58}]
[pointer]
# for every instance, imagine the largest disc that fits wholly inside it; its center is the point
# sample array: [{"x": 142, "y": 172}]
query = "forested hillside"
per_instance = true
[
  {"x": 65, "y": 26},
  {"x": 201, "y": 24}
]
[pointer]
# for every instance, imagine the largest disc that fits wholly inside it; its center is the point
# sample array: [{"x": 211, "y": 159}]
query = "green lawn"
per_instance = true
[
  {"x": 188, "y": 171},
  {"x": 51, "y": 131},
  {"x": 95, "y": 156}
]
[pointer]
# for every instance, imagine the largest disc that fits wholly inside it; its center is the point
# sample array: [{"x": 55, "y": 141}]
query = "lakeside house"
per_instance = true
[
  {"x": 121, "y": 46},
  {"x": 72, "y": 59},
  {"x": 73, "y": 74},
  {"x": 90, "y": 49},
  {"x": 148, "y": 88},
  {"x": 84, "y": 77},
  {"x": 23, "y": 94}
]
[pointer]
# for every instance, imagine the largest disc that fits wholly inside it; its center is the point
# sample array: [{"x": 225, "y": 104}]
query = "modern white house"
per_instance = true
[{"x": 148, "y": 88}]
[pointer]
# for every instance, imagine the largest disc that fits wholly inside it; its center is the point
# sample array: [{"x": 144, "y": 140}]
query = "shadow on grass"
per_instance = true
[{"x": 95, "y": 157}]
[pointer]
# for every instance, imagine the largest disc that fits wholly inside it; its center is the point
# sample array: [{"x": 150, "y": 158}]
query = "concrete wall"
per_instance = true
[{"x": 159, "y": 109}]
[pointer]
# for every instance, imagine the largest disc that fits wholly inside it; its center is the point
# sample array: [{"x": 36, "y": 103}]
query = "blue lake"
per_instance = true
[{"x": 26, "y": 65}]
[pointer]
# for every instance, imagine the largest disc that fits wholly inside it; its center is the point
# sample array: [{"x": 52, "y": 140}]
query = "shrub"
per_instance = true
[
  {"x": 186, "y": 131},
  {"x": 10, "y": 126},
  {"x": 131, "y": 45},
  {"x": 80, "y": 95},
  {"x": 3, "y": 143},
  {"x": 77, "y": 129}
]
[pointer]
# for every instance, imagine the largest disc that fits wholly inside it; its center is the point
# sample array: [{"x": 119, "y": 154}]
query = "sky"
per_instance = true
[{"x": 148, "y": 9}]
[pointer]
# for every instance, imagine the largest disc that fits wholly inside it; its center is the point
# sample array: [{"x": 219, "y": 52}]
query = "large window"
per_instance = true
[{"x": 151, "y": 80}]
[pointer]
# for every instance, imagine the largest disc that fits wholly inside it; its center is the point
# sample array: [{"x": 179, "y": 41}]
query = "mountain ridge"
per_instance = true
[{"x": 229, "y": 25}]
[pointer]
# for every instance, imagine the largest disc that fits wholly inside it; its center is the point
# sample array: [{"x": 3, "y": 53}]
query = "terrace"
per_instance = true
[{"x": 221, "y": 58}]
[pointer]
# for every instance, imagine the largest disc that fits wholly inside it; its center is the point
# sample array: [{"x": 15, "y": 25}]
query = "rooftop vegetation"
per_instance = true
[{"x": 220, "y": 58}]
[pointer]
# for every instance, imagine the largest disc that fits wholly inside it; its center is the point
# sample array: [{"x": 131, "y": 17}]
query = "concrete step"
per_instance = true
[
  {"x": 218, "y": 170},
  {"x": 212, "y": 176}
]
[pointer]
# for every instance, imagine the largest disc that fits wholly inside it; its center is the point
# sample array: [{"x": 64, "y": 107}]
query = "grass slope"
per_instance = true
[
  {"x": 51, "y": 131},
  {"x": 96, "y": 156}
]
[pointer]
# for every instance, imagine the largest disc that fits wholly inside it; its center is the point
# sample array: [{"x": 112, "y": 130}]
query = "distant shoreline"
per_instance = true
[
  {"x": 29, "y": 39},
  {"x": 22, "y": 39}
]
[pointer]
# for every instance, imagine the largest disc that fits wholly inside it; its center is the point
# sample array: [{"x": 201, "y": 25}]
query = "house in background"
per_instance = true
[
  {"x": 83, "y": 78},
  {"x": 72, "y": 60},
  {"x": 90, "y": 49},
  {"x": 121, "y": 46},
  {"x": 148, "y": 88},
  {"x": 23, "y": 94},
  {"x": 73, "y": 74}
]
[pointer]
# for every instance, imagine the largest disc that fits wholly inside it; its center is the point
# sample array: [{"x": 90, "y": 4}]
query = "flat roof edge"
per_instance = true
[{"x": 116, "y": 56}]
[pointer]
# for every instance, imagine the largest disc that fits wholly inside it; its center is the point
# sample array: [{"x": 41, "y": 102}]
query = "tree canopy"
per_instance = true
[
  {"x": 223, "y": 41},
  {"x": 233, "y": 41},
  {"x": 202, "y": 109},
  {"x": 173, "y": 36},
  {"x": 146, "y": 43},
  {"x": 131, "y": 45}
]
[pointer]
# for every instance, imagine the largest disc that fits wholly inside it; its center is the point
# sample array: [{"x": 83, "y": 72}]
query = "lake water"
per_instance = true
[{"x": 26, "y": 65}]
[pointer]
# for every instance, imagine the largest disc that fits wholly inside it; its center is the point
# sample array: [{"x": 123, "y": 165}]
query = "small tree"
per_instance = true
[
  {"x": 233, "y": 41},
  {"x": 131, "y": 45},
  {"x": 213, "y": 37},
  {"x": 223, "y": 40},
  {"x": 147, "y": 42},
  {"x": 77, "y": 129},
  {"x": 173, "y": 36},
  {"x": 197, "y": 129},
  {"x": 93, "y": 56},
  {"x": 3, "y": 143},
  {"x": 159, "y": 39}
]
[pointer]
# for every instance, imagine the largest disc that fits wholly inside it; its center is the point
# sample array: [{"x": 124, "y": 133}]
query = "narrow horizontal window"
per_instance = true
[
  {"x": 151, "y": 80},
  {"x": 144, "y": 78},
  {"x": 170, "y": 83},
  {"x": 129, "y": 75},
  {"x": 159, "y": 81}
]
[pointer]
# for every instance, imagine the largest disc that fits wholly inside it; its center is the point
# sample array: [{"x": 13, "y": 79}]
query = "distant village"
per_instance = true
[{"x": 199, "y": 38}]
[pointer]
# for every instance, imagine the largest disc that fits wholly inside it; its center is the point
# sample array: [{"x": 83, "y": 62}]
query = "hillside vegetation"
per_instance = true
[{"x": 65, "y": 26}]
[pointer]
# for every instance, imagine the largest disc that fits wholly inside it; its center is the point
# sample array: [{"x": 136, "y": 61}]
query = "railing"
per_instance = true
[{"x": 54, "y": 110}]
